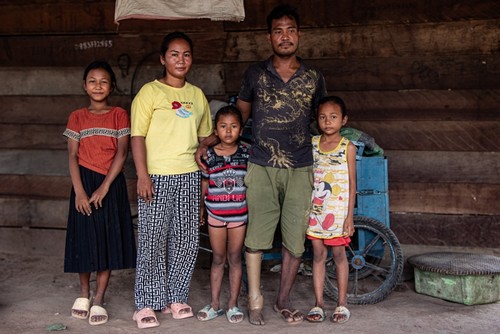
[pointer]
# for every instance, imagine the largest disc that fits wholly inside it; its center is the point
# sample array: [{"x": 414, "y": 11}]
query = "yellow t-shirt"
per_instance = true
[{"x": 171, "y": 119}]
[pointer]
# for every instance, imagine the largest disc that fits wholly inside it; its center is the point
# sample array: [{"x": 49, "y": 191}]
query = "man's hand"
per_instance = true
[
  {"x": 200, "y": 156},
  {"x": 201, "y": 152}
]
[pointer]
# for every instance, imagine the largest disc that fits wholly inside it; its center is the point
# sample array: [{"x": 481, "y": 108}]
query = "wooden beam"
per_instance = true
[
  {"x": 444, "y": 198},
  {"x": 51, "y": 109},
  {"x": 459, "y": 136},
  {"x": 32, "y": 242},
  {"x": 430, "y": 105},
  {"x": 443, "y": 167},
  {"x": 26, "y": 212},
  {"x": 44, "y": 162},
  {"x": 78, "y": 17},
  {"x": 47, "y": 187},
  {"x": 38, "y": 212},
  {"x": 68, "y": 80},
  {"x": 125, "y": 50},
  {"x": 394, "y": 40},
  {"x": 480, "y": 136},
  {"x": 322, "y": 13},
  {"x": 411, "y": 197},
  {"x": 395, "y": 73},
  {"x": 404, "y": 166},
  {"x": 447, "y": 230},
  {"x": 420, "y": 105},
  {"x": 74, "y": 17}
]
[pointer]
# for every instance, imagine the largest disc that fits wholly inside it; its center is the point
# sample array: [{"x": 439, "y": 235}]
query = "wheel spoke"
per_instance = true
[
  {"x": 375, "y": 264},
  {"x": 371, "y": 244},
  {"x": 379, "y": 271},
  {"x": 355, "y": 285}
]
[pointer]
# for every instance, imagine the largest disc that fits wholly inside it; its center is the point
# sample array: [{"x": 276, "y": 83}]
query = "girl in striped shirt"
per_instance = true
[{"x": 224, "y": 197}]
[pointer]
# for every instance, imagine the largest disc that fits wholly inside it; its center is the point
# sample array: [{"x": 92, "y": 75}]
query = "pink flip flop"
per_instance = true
[
  {"x": 140, "y": 316},
  {"x": 179, "y": 310}
]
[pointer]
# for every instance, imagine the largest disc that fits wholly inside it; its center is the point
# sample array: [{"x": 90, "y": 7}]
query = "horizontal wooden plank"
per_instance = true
[
  {"x": 34, "y": 162},
  {"x": 322, "y": 13},
  {"x": 412, "y": 197},
  {"x": 396, "y": 73},
  {"x": 73, "y": 17},
  {"x": 124, "y": 51},
  {"x": 431, "y": 105},
  {"x": 436, "y": 105},
  {"x": 68, "y": 80},
  {"x": 447, "y": 230},
  {"x": 30, "y": 212},
  {"x": 420, "y": 229},
  {"x": 443, "y": 167},
  {"x": 32, "y": 136},
  {"x": 480, "y": 136},
  {"x": 37, "y": 212},
  {"x": 51, "y": 109},
  {"x": 460, "y": 136},
  {"x": 85, "y": 16},
  {"x": 444, "y": 198},
  {"x": 31, "y": 242},
  {"x": 48, "y": 187},
  {"x": 44, "y": 162},
  {"x": 394, "y": 40},
  {"x": 403, "y": 166}
]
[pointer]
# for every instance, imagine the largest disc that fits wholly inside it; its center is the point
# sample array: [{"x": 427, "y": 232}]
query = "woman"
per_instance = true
[{"x": 170, "y": 117}]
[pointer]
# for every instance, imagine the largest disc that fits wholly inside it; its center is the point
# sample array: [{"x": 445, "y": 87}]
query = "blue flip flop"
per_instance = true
[
  {"x": 316, "y": 314},
  {"x": 208, "y": 313},
  {"x": 234, "y": 312}
]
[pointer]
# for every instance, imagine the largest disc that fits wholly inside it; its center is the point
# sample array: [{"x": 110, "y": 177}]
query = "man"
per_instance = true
[{"x": 280, "y": 93}]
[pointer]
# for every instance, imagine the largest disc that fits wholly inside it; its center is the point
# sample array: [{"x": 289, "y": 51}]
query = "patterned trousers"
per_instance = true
[{"x": 168, "y": 240}]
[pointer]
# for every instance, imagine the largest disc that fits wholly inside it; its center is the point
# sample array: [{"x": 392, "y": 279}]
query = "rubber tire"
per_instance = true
[{"x": 395, "y": 270}]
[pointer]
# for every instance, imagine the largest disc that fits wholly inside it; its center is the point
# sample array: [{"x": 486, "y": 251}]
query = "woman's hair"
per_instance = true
[
  {"x": 333, "y": 100},
  {"x": 173, "y": 36},
  {"x": 280, "y": 11},
  {"x": 103, "y": 65},
  {"x": 228, "y": 110}
]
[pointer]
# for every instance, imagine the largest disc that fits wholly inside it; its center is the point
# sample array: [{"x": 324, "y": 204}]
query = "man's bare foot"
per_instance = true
[{"x": 255, "y": 317}]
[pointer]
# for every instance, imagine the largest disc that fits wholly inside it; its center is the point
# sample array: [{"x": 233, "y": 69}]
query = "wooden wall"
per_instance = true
[{"x": 420, "y": 76}]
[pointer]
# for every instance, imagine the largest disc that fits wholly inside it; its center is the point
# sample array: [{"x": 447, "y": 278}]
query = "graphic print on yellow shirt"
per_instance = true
[{"x": 330, "y": 198}]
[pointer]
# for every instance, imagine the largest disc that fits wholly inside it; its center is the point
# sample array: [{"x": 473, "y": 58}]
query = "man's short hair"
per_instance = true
[{"x": 280, "y": 11}]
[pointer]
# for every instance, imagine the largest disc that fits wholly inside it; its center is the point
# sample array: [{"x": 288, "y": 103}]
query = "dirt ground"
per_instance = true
[{"x": 35, "y": 293}]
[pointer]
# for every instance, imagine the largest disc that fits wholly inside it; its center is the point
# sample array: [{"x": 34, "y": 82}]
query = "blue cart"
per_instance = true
[{"x": 375, "y": 255}]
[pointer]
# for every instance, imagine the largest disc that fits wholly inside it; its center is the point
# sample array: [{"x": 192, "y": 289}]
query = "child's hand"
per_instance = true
[
  {"x": 202, "y": 216},
  {"x": 349, "y": 226},
  {"x": 98, "y": 196},
  {"x": 82, "y": 204}
]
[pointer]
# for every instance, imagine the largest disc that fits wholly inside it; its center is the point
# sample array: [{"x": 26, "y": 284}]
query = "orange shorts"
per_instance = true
[
  {"x": 342, "y": 241},
  {"x": 218, "y": 223}
]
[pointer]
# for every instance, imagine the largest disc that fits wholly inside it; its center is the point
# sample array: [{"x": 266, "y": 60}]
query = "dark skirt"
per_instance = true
[{"x": 104, "y": 240}]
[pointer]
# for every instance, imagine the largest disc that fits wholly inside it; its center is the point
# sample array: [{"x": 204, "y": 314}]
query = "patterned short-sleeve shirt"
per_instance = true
[
  {"x": 226, "y": 196},
  {"x": 281, "y": 114},
  {"x": 97, "y": 135}
]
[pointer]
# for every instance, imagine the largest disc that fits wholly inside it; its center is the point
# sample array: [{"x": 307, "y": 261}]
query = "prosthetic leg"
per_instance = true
[{"x": 255, "y": 299}]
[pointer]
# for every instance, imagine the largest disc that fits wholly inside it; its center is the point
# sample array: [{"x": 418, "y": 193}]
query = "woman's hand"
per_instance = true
[{"x": 145, "y": 189}]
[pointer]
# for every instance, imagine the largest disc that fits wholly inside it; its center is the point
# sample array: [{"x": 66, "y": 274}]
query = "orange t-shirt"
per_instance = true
[{"x": 97, "y": 136}]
